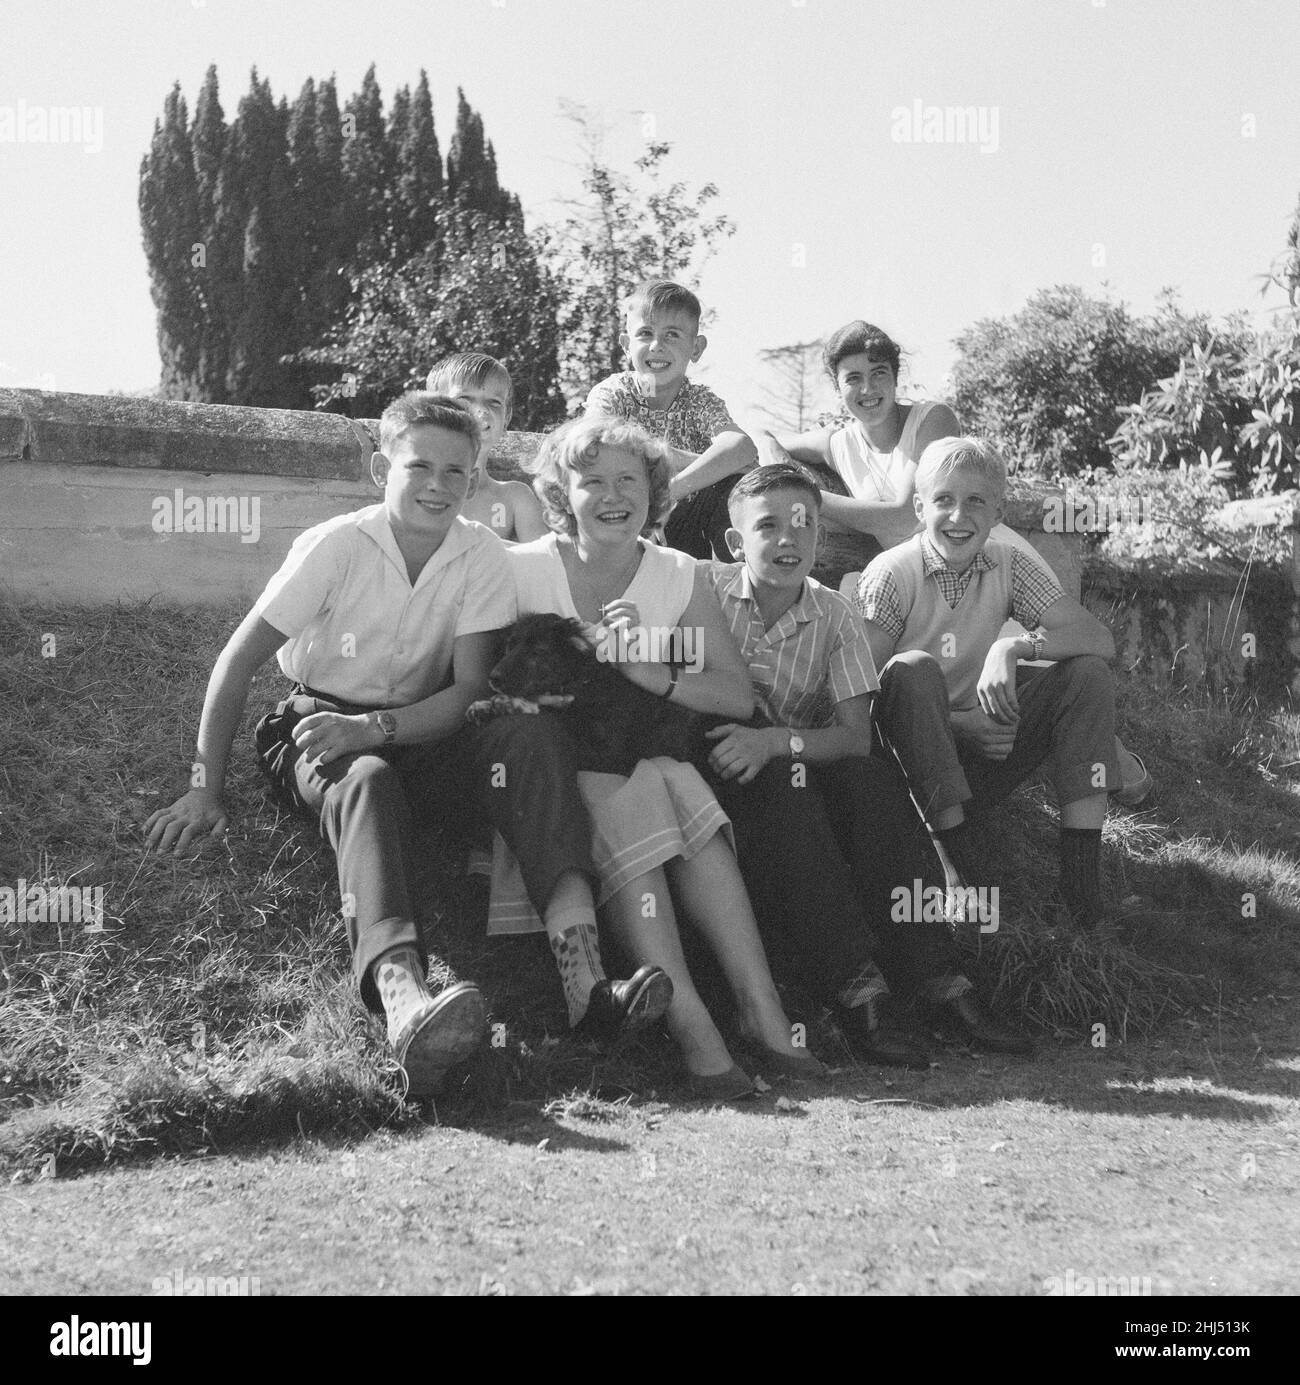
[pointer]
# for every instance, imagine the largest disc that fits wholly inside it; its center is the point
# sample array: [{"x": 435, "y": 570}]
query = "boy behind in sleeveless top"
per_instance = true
[{"x": 482, "y": 385}]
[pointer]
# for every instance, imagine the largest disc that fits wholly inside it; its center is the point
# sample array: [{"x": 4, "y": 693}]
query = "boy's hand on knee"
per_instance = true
[
  {"x": 741, "y": 752},
  {"x": 326, "y": 736},
  {"x": 991, "y": 739},
  {"x": 996, "y": 689},
  {"x": 195, "y": 815}
]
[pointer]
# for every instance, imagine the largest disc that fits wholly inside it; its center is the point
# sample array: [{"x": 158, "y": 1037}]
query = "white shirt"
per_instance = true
[
  {"x": 661, "y": 587},
  {"x": 872, "y": 475},
  {"x": 359, "y": 631}
]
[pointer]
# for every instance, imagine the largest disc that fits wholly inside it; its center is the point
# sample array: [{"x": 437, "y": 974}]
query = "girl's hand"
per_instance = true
[
  {"x": 328, "y": 736},
  {"x": 617, "y": 620},
  {"x": 996, "y": 689},
  {"x": 620, "y": 613},
  {"x": 742, "y": 750},
  {"x": 197, "y": 814}
]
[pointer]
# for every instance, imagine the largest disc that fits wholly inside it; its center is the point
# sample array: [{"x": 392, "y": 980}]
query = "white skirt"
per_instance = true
[{"x": 664, "y": 810}]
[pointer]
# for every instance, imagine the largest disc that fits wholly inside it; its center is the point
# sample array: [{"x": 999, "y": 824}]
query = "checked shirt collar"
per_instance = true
[{"x": 952, "y": 585}]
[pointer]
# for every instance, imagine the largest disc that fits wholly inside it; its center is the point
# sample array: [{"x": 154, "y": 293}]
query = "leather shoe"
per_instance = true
[
  {"x": 873, "y": 1036},
  {"x": 966, "y": 1019},
  {"x": 615, "y": 1008},
  {"x": 447, "y": 1029},
  {"x": 733, "y": 1085},
  {"x": 777, "y": 1062}
]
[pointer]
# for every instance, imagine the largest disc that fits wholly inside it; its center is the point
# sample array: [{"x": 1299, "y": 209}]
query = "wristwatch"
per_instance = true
[
  {"x": 387, "y": 723},
  {"x": 796, "y": 745},
  {"x": 1039, "y": 642}
]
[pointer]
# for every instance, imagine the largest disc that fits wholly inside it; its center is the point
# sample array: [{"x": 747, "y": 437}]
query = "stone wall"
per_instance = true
[{"x": 1213, "y": 627}]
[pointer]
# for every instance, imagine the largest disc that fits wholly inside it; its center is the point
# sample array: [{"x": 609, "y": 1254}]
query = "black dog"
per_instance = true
[{"x": 620, "y": 722}]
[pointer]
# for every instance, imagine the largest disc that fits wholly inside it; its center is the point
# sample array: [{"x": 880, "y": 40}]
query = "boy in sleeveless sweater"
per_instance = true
[{"x": 966, "y": 723}]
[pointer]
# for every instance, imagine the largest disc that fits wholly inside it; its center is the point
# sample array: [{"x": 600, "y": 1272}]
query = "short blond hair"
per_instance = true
[
  {"x": 573, "y": 447},
  {"x": 946, "y": 455}
]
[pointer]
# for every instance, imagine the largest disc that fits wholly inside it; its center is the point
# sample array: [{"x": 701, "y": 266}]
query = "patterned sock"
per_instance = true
[
  {"x": 1080, "y": 883},
  {"x": 577, "y": 954},
  {"x": 865, "y": 987},
  {"x": 947, "y": 987},
  {"x": 399, "y": 978}
]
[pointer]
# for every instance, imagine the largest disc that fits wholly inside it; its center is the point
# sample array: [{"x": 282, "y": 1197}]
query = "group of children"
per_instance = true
[{"x": 872, "y": 727}]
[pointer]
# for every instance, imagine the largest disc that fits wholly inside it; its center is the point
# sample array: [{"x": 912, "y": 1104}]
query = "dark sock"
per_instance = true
[
  {"x": 956, "y": 842},
  {"x": 1080, "y": 883}
]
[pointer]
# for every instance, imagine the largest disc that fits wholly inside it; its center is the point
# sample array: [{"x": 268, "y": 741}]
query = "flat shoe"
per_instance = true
[
  {"x": 880, "y": 1042},
  {"x": 775, "y": 1062},
  {"x": 615, "y": 1008},
  {"x": 444, "y": 1031},
  {"x": 733, "y": 1085},
  {"x": 965, "y": 1019}
]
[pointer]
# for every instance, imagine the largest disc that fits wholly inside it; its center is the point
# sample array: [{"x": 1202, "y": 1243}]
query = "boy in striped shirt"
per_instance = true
[{"x": 807, "y": 797}]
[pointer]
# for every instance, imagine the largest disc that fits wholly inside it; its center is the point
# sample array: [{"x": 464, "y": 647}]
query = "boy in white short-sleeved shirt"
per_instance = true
[{"x": 387, "y": 620}]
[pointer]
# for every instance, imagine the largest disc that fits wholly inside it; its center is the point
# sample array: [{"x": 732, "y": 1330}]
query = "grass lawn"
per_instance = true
[{"x": 207, "y": 1048}]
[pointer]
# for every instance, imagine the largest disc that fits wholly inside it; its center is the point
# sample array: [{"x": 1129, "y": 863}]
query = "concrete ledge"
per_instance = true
[
  {"x": 107, "y": 498},
  {"x": 111, "y": 431},
  {"x": 88, "y": 534}
]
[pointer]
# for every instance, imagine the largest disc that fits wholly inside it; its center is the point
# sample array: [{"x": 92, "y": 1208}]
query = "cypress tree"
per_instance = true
[
  {"x": 419, "y": 173},
  {"x": 208, "y": 141},
  {"x": 329, "y": 285},
  {"x": 471, "y": 163},
  {"x": 295, "y": 245},
  {"x": 367, "y": 170},
  {"x": 306, "y": 226},
  {"x": 169, "y": 221},
  {"x": 253, "y": 189}
]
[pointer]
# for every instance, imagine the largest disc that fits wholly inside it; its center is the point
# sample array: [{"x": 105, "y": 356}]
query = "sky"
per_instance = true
[{"x": 1122, "y": 145}]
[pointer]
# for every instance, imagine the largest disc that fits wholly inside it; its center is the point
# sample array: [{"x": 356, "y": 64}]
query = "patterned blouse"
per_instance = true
[{"x": 691, "y": 422}]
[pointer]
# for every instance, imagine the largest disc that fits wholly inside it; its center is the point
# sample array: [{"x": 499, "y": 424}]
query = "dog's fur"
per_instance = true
[{"x": 619, "y": 721}]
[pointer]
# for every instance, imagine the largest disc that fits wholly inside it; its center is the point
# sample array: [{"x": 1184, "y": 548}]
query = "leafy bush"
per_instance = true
[
  {"x": 1231, "y": 406},
  {"x": 1171, "y": 514},
  {"x": 478, "y": 286},
  {"x": 1049, "y": 384}
]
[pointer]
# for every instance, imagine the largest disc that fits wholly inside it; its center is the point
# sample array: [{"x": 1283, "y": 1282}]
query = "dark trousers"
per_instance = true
[
  {"x": 1067, "y": 722},
  {"x": 518, "y": 773},
  {"x": 698, "y": 525},
  {"x": 821, "y": 855}
]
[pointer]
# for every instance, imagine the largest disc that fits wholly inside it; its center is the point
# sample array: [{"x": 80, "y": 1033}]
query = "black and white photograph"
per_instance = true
[{"x": 649, "y": 650}]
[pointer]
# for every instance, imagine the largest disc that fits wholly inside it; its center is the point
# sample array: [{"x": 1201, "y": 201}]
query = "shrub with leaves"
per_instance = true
[
  {"x": 1230, "y": 406},
  {"x": 477, "y": 287},
  {"x": 1172, "y": 515},
  {"x": 1048, "y": 384}
]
